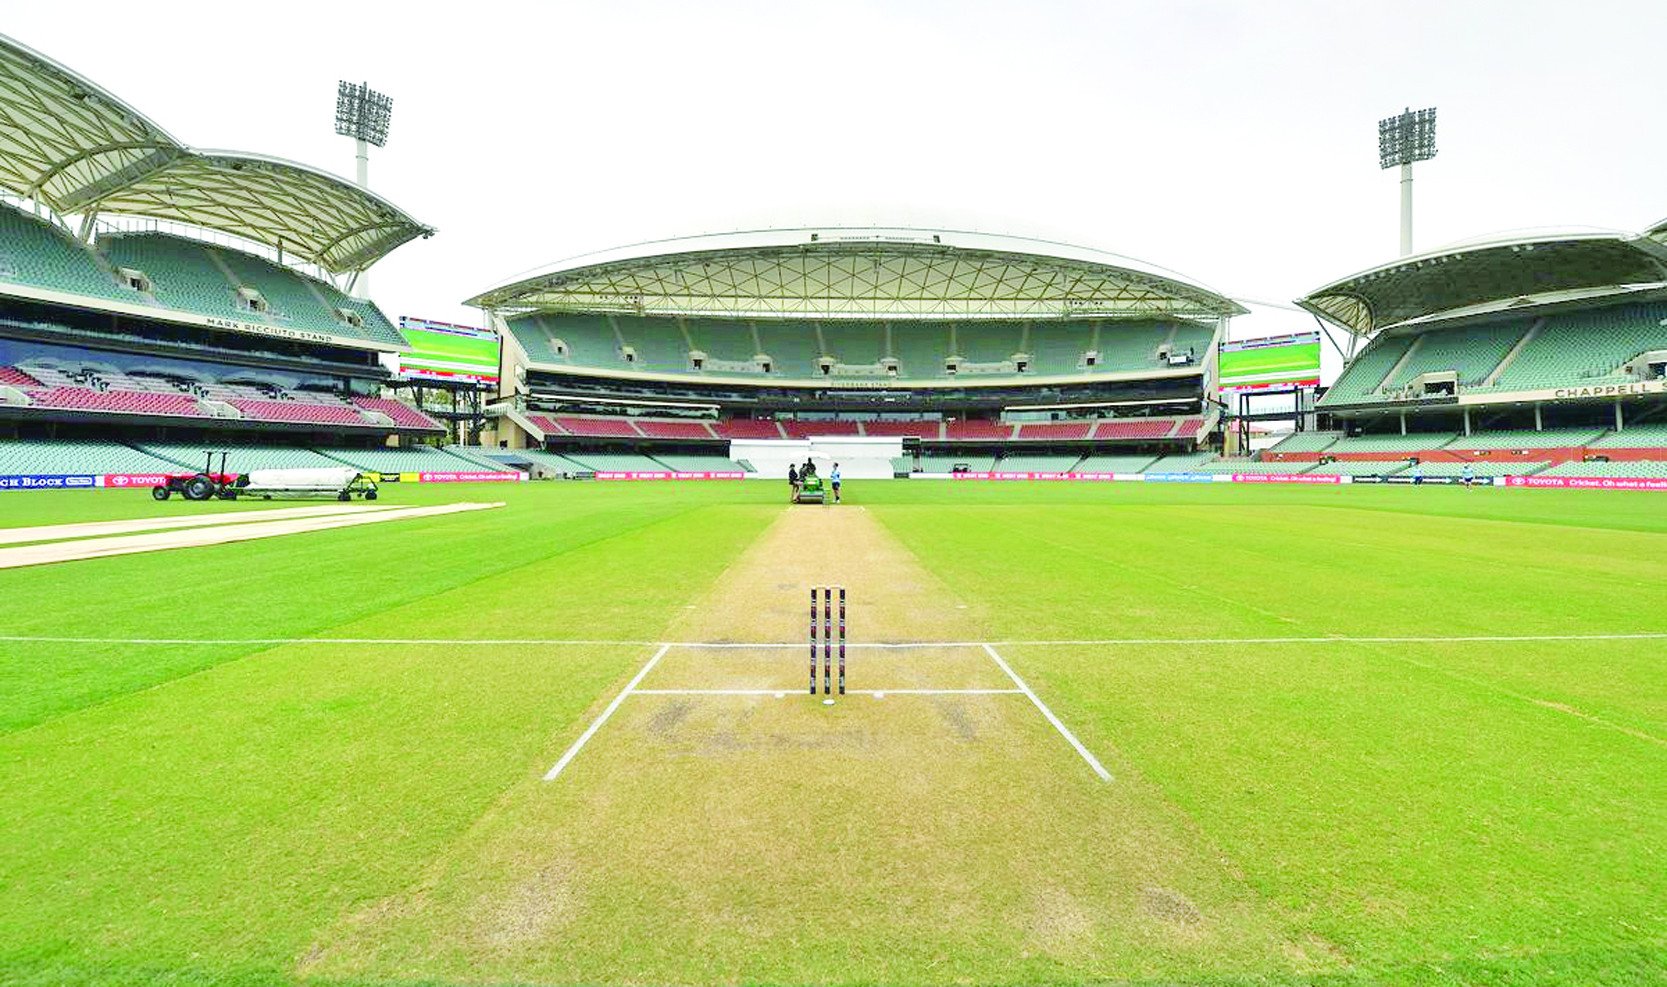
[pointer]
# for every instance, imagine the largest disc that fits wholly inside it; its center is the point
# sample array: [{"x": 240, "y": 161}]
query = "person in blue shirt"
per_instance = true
[
  {"x": 1468, "y": 475},
  {"x": 833, "y": 478}
]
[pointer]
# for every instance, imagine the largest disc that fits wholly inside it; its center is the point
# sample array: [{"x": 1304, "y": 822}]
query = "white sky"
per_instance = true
[{"x": 1233, "y": 142}]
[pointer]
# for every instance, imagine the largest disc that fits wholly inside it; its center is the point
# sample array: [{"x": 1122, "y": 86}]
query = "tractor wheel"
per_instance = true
[
  {"x": 370, "y": 495},
  {"x": 199, "y": 487},
  {"x": 344, "y": 495},
  {"x": 160, "y": 493}
]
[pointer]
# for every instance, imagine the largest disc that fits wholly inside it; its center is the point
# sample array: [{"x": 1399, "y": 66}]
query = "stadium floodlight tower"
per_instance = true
[
  {"x": 1407, "y": 137},
  {"x": 363, "y": 114}
]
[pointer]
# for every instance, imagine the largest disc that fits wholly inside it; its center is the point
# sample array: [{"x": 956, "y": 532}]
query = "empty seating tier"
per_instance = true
[
  {"x": 1055, "y": 430},
  {"x": 125, "y": 402},
  {"x": 1134, "y": 428},
  {"x": 807, "y": 429},
  {"x": 748, "y": 428},
  {"x": 599, "y": 427},
  {"x": 402, "y": 414},
  {"x": 977, "y": 429},
  {"x": 904, "y": 429},
  {"x": 34, "y": 253},
  {"x": 796, "y": 349},
  {"x": 673, "y": 429}
]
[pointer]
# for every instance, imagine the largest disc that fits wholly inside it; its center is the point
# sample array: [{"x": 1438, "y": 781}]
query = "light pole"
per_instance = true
[
  {"x": 363, "y": 114},
  {"x": 1402, "y": 139}
]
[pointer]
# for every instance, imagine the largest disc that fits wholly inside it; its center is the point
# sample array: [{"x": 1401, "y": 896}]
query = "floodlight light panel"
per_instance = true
[
  {"x": 1406, "y": 137},
  {"x": 362, "y": 112}
]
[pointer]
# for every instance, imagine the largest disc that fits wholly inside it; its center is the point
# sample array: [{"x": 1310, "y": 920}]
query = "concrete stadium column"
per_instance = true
[
  {"x": 1539, "y": 425},
  {"x": 1619, "y": 424},
  {"x": 1467, "y": 421}
]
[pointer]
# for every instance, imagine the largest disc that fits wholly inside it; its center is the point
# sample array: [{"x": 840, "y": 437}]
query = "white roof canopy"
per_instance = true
[
  {"x": 842, "y": 273},
  {"x": 75, "y": 148}
]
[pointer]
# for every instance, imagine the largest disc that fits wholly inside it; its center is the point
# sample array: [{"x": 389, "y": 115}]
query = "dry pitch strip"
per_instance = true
[{"x": 828, "y": 648}]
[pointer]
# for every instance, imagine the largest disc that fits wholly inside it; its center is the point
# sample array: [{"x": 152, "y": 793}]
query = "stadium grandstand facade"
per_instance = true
[
  {"x": 973, "y": 348},
  {"x": 1540, "y": 356},
  {"x": 156, "y": 299}
]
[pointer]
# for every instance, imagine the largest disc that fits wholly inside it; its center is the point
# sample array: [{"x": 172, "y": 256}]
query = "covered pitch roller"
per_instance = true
[{"x": 821, "y": 606}]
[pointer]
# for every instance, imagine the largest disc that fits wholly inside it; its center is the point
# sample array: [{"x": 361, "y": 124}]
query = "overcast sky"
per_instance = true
[{"x": 1232, "y": 142}]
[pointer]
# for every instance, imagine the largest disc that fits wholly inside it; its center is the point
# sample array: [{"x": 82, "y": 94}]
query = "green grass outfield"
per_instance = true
[{"x": 1434, "y": 811}]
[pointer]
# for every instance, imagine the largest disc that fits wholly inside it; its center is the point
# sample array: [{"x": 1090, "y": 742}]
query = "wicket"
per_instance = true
[{"x": 826, "y": 595}]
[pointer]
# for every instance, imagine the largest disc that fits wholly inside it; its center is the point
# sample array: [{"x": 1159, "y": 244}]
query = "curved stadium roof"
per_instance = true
[
  {"x": 72, "y": 146},
  {"x": 858, "y": 273},
  {"x": 1490, "y": 276}
]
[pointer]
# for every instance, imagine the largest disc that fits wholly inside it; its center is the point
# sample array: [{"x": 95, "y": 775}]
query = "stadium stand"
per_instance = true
[
  {"x": 1479, "y": 468},
  {"x": 944, "y": 463},
  {"x": 1238, "y": 465},
  {"x": 547, "y": 461},
  {"x": 794, "y": 349},
  {"x": 474, "y": 457},
  {"x": 1036, "y": 431},
  {"x": 34, "y": 252},
  {"x": 1028, "y": 463},
  {"x": 920, "y": 429},
  {"x": 399, "y": 412},
  {"x": 1581, "y": 348},
  {"x": 124, "y": 402},
  {"x": 1359, "y": 467},
  {"x": 411, "y": 459},
  {"x": 1551, "y": 438},
  {"x": 1134, "y": 428},
  {"x": 658, "y": 429},
  {"x": 696, "y": 462},
  {"x": 809, "y": 428},
  {"x": 1361, "y": 379},
  {"x": 1306, "y": 442},
  {"x": 15, "y": 377},
  {"x": 242, "y": 457},
  {"x": 598, "y": 427},
  {"x": 1182, "y": 463},
  {"x": 1115, "y": 464},
  {"x": 1411, "y": 442},
  {"x": 1472, "y": 353},
  {"x": 182, "y": 273},
  {"x": 748, "y": 428},
  {"x": 58, "y": 458},
  {"x": 1646, "y": 436},
  {"x": 977, "y": 430},
  {"x": 614, "y": 461},
  {"x": 1651, "y": 469}
]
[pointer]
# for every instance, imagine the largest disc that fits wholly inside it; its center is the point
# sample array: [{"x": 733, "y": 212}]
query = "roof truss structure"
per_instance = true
[
  {"x": 1490, "y": 277},
  {"x": 834, "y": 280},
  {"x": 77, "y": 149}
]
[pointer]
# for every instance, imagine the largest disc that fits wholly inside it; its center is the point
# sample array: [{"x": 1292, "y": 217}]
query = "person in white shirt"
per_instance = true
[{"x": 833, "y": 478}]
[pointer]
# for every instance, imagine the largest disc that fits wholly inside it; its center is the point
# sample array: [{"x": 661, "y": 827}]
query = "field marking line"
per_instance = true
[
  {"x": 224, "y": 641},
  {"x": 220, "y": 534},
  {"x": 596, "y": 724},
  {"x": 1338, "y": 639},
  {"x": 874, "y": 646},
  {"x": 795, "y": 691},
  {"x": 1064, "y": 731},
  {"x": 93, "y": 529}
]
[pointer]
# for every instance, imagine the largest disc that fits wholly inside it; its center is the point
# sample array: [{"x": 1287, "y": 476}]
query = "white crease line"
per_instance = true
[
  {"x": 801, "y": 692},
  {"x": 221, "y": 641},
  {"x": 799, "y": 645},
  {"x": 1070, "y": 737},
  {"x": 596, "y": 724},
  {"x": 1337, "y": 639},
  {"x": 715, "y": 692}
]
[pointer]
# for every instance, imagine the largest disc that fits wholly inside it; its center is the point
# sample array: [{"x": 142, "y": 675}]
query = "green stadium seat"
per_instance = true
[{"x": 36, "y": 253}]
